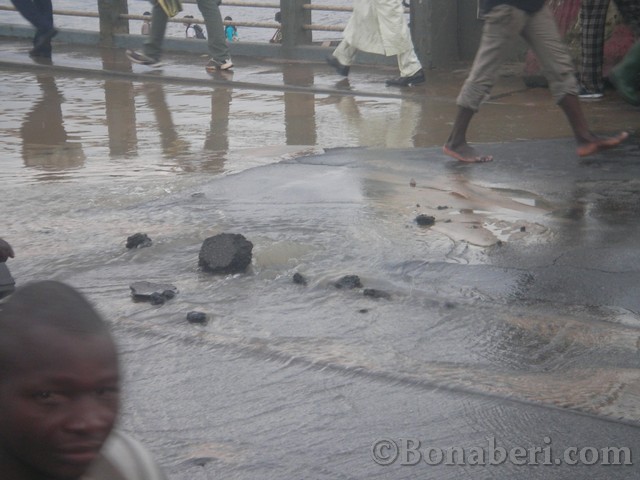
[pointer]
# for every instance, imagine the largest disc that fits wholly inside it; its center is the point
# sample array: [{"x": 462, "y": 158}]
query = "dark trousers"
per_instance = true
[{"x": 38, "y": 12}]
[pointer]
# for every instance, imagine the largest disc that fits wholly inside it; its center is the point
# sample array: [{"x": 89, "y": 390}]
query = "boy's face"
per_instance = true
[{"x": 58, "y": 403}]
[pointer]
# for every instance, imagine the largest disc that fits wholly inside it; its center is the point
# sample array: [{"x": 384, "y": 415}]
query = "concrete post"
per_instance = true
[
  {"x": 434, "y": 29},
  {"x": 110, "y": 24},
  {"x": 293, "y": 17}
]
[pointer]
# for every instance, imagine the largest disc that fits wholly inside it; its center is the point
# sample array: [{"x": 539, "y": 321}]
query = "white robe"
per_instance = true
[{"x": 378, "y": 26}]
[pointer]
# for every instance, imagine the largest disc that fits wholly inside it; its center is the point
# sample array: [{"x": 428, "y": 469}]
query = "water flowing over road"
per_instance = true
[{"x": 515, "y": 316}]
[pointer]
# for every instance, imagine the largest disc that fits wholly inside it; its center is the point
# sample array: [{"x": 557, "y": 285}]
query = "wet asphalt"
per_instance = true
[{"x": 593, "y": 203}]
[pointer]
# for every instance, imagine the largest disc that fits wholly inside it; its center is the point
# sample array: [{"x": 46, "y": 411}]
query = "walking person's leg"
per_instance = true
[
  {"x": 153, "y": 44},
  {"x": 216, "y": 40},
  {"x": 411, "y": 72},
  {"x": 152, "y": 50},
  {"x": 541, "y": 33},
  {"x": 501, "y": 27},
  {"x": 593, "y": 16},
  {"x": 40, "y": 14},
  {"x": 343, "y": 57},
  {"x": 33, "y": 12}
]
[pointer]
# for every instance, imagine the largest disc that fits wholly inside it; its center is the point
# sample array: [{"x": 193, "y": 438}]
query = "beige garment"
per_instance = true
[
  {"x": 503, "y": 24},
  {"x": 124, "y": 458},
  {"x": 378, "y": 26}
]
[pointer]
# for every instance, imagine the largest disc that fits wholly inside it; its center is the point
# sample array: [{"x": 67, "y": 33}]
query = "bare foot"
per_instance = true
[
  {"x": 598, "y": 143},
  {"x": 466, "y": 153}
]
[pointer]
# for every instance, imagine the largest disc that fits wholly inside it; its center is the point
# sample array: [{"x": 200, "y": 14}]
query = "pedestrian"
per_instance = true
[
  {"x": 593, "y": 18},
  {"x": 277, "y": 36},
  {"x": 210, "y": 10},
  {"x": 230, "y": 31},
  {"x": 504, "y": 21},
  {"x": 193, "y": 30},
  {"x": 625, "y": 75},
  {"x": 40, "y": 14},
  {"x": 146, "y": 24},
  {"x": 379, "y": 26},
  {"x": 59, "y": 392}
]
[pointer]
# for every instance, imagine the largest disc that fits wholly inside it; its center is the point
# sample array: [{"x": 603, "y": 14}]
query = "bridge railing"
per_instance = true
[{"x": 434, "y": 23}]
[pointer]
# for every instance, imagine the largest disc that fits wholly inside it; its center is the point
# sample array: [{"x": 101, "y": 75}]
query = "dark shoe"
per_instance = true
[
  {"x": 340, "y": 68},
  {"x": 586, "y": 94},
  {"x": 626, "y": 90},
  {"x": 415, "y": 79},
  {"x": 44, "y": 52},
  {"x": 43, "y": 39},
  {"x": 142, "y": 59}
]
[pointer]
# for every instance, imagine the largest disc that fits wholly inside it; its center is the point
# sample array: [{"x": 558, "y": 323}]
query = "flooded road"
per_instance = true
[{"x": 515, "y": 316}]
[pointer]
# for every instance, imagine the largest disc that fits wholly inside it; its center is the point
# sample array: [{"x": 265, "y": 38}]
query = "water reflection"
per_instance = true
[
  {"x": 393, "y": 128},
  {"x": 172, "y": 145},
  {"x": 299, "y": 108},
  {"x": 216, "y": 144},
  {"x": 45, "y": 142}
]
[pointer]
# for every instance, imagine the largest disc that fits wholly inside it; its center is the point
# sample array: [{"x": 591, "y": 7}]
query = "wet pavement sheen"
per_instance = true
[{"x": 515, "y": 317}]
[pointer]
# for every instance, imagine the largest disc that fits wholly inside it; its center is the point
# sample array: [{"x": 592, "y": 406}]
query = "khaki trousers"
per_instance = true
[{"x": 503, "y": 24}]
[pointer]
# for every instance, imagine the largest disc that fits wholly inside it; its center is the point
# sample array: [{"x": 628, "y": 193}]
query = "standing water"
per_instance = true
[{"x": 487, "y": 324}]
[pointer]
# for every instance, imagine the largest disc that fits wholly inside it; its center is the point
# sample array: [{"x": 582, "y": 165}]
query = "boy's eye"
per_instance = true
[
  {"x": 47, "y": 397},
  {"x": 106, "y": 391}
]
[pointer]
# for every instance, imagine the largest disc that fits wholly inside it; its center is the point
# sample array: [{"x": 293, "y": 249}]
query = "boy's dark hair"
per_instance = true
[{"x": 44, "y": 304}]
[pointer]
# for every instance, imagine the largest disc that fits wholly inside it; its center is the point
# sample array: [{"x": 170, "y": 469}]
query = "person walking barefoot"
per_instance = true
[{"x": 532, "y": 20}]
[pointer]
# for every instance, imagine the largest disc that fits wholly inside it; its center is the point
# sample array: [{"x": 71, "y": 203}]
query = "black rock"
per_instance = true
[
  {"x": 299, "y": 279},
  {"x": 157, "y": 298},
  {"x": 425, "y": 220},
  {"x": 138, "y": 240},
  {"x": 349, "y": 282},
  {"x": 197, "y": 317},
  {"x": 168, "y": 294},
  {"x": 375, "y": 293},
  {"x": 156, "y": 293},
  {"x": 225, "y": 253}
]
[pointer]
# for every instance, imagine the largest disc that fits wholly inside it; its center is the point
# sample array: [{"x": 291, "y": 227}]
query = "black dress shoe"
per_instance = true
[
  {"x": 415, "y": 79},
  {"x": 44, "y": 52},
  {"x": 340, "y": 68}
]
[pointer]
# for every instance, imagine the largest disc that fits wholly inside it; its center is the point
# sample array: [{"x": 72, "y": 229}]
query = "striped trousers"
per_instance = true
[{"x": 593, "y": 16}]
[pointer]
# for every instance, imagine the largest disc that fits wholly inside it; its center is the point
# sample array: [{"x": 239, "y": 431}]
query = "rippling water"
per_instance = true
[{"x": 297, "y": 382}]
